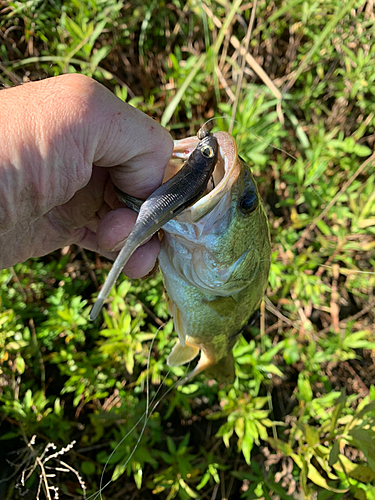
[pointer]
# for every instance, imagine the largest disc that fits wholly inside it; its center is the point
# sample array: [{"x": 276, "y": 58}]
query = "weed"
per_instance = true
[{"x": 299, "y": 420}]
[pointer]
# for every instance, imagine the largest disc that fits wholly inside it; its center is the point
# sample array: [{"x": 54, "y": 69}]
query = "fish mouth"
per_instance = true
[{"x": 225, "y": 174}]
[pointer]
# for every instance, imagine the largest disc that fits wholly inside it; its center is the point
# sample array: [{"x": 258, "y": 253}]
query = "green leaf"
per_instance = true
[
  {"x": 334, "y": 453},
  {"x": 20, "y": 364},
  {"x": 337, "y": 410},
  {"x": 171, "y": 445},
  {"x": 358, "y": 341},
  {"x": 359, "y": 472},
  {"x": 138, "y": 475},
  {"x": 271, "y": 369},
  {"x": 186, "y": 487},
  {"x": 239, "y": 427},
  {"x": 9, "y": 435},
  {"x": 170, "y": 109},
  {"x": 311, "y": 435},
  {"x": 119, "y": 471},
  {"x": 281, "y": 446},
  {"x": 361, "y": 150},
  {"x": 88, "y": 468},
  {"x": 318, "y": 479},
  {"x": 362, "y": 473},
  {"x": 28, "y": 399},
  {"x": 291, "y": 354},
  {"x": 314, "y": 475},
  {"x": 370, "y": 407},
  {"x": 247, "y": 446},
  {"x": 213, "y": 471},
  {"x": 324, "y": 228},
  {"x": 364, "y": 439},
  {"x": 204, "y": 480},
  {"x": 304, "y": 388}
]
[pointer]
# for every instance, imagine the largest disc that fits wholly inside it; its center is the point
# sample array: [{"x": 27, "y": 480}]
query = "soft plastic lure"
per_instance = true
[{"x": 169, "y": 200}]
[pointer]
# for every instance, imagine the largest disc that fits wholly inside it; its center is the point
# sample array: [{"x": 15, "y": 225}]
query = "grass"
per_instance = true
[{"x": 299, "y": 422}]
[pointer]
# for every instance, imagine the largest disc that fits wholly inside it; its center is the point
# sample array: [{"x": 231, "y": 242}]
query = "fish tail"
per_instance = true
[{"x": 132, "y": 243}]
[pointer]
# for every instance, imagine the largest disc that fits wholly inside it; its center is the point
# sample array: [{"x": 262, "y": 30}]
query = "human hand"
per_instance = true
[{"x": 65, "y": 142}]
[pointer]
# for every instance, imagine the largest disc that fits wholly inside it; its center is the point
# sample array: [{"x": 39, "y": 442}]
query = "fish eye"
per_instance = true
[
  {"x": 249, "y": 201},
  {"x": 203, "y": 132},
  {"x": 207, "y": 152}
]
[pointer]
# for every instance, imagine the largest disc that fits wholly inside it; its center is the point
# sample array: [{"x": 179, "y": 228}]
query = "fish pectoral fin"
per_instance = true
[
  {"x": 203, "y": 363},
  {"x": 182, "y": 354}
]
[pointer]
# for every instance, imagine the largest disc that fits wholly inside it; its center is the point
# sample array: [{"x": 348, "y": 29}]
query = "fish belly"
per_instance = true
[{"x": 204, "y": 322}]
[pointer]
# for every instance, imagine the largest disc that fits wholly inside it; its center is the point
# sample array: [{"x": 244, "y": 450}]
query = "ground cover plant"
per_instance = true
[{"x": 78, "y": 399}]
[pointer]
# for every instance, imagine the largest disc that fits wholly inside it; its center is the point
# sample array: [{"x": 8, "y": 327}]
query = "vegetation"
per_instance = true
[{"x": 299, "y": 421}]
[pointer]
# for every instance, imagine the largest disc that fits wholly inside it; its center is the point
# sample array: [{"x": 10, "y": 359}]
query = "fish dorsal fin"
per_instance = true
[{"x": 182, "y": 354}]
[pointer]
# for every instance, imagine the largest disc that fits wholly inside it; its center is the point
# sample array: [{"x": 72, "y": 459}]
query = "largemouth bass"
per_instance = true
[{"x": 215, "y": 259}]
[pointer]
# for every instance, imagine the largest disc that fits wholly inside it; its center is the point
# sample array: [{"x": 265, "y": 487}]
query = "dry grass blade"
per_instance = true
[
  {"x": 225, "y": 27},
  {"x": 225, "y": 85},
  {"x": 12, "y": 76},
  {"x": 240, "y": 77},
  {"x": 326, "y": 31},
  {"x": 249, "y": 58},
  {"x": 272, "y": 309},
  {"x": 355, "y": 317},
  {"x": 170, "y": 109}
]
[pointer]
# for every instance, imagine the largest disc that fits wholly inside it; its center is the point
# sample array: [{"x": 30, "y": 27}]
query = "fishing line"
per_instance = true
[
  {"x": 225, "y": 117},
  {"x": 260, "y": 139},
  {"x": 245, "y": 130},
  {"x": 101, "y": 487},
  {"x": 150, "y": 406},
  {"x": 146, "y": 416},
  {"x": 346, "y": 270}
]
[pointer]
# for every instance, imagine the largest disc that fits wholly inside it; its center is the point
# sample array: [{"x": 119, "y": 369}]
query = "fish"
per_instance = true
[
  {"x": 172, "y": 197},
  {"x": 215, "y": 260}
]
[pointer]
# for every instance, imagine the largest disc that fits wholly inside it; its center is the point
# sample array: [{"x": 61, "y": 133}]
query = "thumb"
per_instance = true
[{"x": 126, "y": 139}]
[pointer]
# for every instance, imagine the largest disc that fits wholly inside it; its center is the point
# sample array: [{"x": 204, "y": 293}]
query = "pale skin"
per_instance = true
[{"x": 65, "y": 142}]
